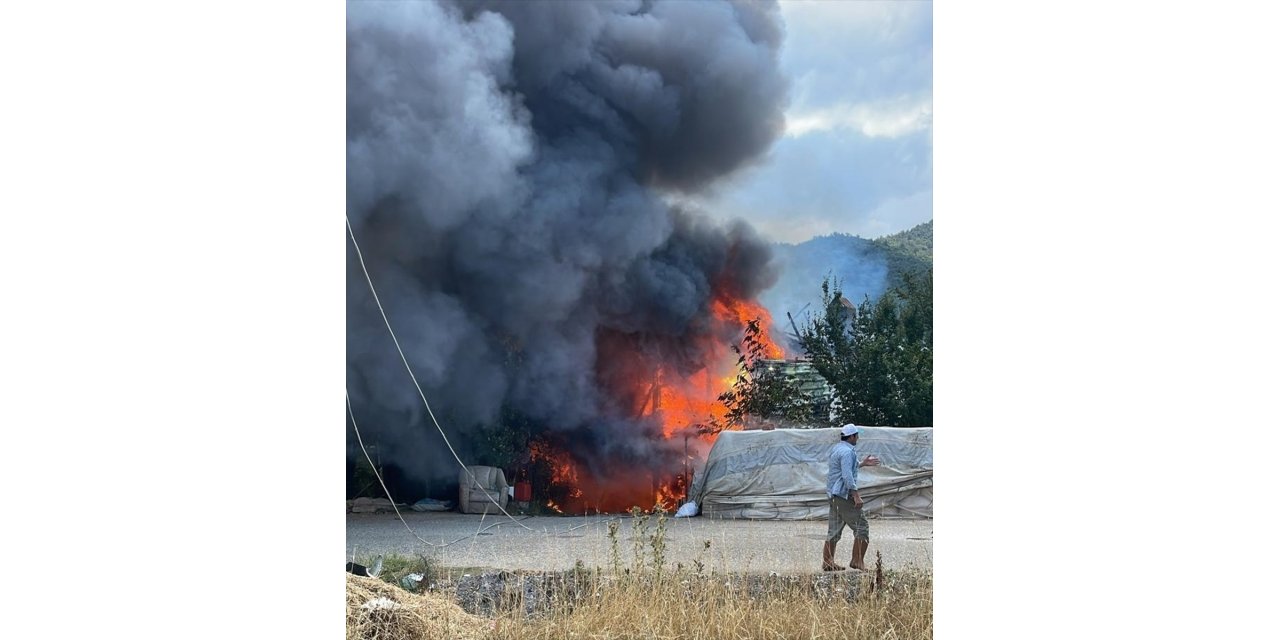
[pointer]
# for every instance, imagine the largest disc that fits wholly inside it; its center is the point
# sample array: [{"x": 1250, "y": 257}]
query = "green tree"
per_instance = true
[{"x": 877, "y": 356}]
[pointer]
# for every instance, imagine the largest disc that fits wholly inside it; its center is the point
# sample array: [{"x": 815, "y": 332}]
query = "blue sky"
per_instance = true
[{"x": 857, "y": 156}]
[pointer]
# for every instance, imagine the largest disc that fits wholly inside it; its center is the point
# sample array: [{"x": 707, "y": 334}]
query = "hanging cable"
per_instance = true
[
  {"x": 422, "y": 395},
  {"x": 379, "y": 477}
]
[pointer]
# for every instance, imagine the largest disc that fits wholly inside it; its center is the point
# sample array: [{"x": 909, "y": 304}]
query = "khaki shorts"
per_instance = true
[{"x": 842, "y": 514}]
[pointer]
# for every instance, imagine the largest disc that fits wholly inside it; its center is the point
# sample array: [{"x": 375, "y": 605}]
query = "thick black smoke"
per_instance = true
[{"x": 505, "y": 170}]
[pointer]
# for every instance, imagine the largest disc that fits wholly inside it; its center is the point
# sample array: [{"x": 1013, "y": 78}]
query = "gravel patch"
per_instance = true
[{"x": 557, "y": 544}]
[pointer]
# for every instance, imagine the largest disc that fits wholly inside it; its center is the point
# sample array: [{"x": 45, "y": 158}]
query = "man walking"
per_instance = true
[{"x": 846, "y": 504}]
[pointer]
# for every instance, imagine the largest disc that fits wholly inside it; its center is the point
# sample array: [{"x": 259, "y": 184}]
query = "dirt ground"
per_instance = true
[{"x": 557, "y": 542}]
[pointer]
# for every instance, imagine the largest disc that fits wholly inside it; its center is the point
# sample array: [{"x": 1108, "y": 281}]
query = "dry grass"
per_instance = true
[
  {"x": 680, "y": 605},
  {"x": 684, "y": 605},
  {"x": 647, "y": 598},
  {"x": 380, "y": 611}
]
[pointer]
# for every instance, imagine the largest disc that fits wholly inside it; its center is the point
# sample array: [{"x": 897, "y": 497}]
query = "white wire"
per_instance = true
[
  {"x": 379, "y": 477},
  {"x": 422, "y": 395}
]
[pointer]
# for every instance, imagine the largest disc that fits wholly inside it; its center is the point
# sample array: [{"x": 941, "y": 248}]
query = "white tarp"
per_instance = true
[{"x": 782, "y": 474}]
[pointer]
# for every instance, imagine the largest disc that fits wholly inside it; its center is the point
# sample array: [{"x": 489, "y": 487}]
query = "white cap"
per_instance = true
[{"x": 850, "y": 429}]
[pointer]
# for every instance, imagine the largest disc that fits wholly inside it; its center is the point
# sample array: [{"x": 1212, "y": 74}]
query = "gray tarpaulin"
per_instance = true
[{"x": 782, "y": 474}]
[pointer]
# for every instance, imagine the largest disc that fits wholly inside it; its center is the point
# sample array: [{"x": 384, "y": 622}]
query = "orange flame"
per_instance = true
[
  {"x": 740, "y": 312},
  {"x": 696, "y": 398},
  {"x": 563, "y": 470},
  {"x": 677, "y": 398},
  {"x": 668, "y": 496}
]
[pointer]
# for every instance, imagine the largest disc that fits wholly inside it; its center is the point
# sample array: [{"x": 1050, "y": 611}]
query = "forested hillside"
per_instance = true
[
  {"x": 861, "y": 311},
  {"x": 909, "y": 251}
]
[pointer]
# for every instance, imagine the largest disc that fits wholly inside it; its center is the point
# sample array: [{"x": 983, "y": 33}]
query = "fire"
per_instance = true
[
  {"x": 695, "y": 399},
  {"x": 740, "y": 312},
  {"x": 669, "y": 495},
  {"x": 674, "y": 381},
  {"x": 563, "y": 471}
]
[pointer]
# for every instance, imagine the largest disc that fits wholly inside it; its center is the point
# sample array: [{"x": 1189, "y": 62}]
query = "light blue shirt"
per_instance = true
[{"x": 842, "y": 471}]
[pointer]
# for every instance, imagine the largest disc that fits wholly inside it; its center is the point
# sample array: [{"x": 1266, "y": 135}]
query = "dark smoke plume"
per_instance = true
[{"x": 506, "y": 165}]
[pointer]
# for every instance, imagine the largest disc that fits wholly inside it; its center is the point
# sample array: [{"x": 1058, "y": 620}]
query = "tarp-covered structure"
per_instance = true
[{"x": 781, "y": 474}]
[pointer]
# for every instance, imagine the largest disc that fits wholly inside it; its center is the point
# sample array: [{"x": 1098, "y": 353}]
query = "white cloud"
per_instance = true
[
  {"x": 857, "y": 154},
  {"x": 888, "y": 119}
]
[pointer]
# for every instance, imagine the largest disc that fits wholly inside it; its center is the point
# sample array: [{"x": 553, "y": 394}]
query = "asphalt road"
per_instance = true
[{"x": 557, "y": 542}]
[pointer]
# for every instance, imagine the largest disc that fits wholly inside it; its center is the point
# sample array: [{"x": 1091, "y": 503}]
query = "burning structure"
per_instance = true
[{"x": 509, "y": 173}]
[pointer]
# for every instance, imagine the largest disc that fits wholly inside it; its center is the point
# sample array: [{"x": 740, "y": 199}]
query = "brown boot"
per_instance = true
[
  {"x": 859, "y": 554},
  {"x": 829, "y": 557}
]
